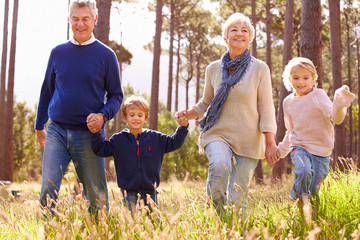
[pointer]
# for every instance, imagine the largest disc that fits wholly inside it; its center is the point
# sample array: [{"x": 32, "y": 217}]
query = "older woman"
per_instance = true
[{"x": 237, "y": 111}]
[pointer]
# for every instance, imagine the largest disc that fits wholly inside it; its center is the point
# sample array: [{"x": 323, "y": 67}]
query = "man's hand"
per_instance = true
[
  {"x": 94, "y": 122},
  {"x": 40, "y": 135}
]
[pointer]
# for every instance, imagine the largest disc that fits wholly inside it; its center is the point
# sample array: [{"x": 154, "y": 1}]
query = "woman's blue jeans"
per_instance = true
[
  {"x": 310, "y": 171},
  {"x": 228, "y": 177},
  {"x": 62, "y": 146}
]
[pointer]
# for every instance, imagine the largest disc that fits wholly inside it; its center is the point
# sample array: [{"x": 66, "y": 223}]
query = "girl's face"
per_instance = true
[{"x": 302, "y": 80}]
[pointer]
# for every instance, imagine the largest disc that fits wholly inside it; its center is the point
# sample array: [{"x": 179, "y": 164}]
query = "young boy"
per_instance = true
[{"x": 138, "y": 153}]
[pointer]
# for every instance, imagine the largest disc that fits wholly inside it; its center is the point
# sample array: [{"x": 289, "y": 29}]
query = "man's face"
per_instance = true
[{"x": 82, "y": 23}]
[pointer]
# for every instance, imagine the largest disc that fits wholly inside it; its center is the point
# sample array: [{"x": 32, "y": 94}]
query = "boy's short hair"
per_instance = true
[{"x": 136, "y": 102}]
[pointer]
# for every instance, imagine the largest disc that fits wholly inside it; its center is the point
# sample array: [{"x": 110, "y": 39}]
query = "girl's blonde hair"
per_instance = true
[
  {"x": 135, "y": 102},
  {"x": 301, "y": 62}
]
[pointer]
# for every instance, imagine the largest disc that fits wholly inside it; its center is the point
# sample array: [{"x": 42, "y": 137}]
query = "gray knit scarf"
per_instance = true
[{"x": 241, "y": 65}]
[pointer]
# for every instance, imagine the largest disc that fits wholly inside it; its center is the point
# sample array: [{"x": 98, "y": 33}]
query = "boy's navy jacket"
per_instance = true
[{"x": 138, "y": 161}]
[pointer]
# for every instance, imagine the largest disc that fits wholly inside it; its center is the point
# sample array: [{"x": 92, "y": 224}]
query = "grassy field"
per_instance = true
[{"x": 185, "y": 213}]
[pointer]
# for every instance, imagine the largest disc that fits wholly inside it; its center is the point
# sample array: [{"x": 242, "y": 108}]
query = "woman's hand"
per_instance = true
[
  {"x": 272, "y": 155},
  {"x": 181, "y": 118}
]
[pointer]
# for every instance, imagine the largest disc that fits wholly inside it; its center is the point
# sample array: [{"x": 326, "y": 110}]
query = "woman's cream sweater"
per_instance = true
[{"x": 247, "y": 113}]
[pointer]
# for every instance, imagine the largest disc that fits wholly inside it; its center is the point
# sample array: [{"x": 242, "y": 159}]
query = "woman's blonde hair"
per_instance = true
[
  {"x": 238, "y": 17},
  {"x": 301, "y": 62},
  {"x": 135, "y": 102}
]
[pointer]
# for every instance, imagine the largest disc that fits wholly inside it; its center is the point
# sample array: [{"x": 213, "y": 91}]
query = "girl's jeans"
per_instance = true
[
  {"x": 229, "y": 176},
  {"x": 310, "y": 171},
  {"x": 62, "y": 146}
]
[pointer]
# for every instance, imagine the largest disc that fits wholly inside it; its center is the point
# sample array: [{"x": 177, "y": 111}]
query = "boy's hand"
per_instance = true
[{"x": 181, "y": 118}]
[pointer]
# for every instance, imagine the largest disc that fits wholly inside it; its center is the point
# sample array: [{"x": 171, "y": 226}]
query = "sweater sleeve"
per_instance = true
[
  {"x": 47, "y": 91},
  {"x": 284, "y": 146},
  {"x": 100, "y": 146},
  {"x": 114, "y": 94},
  {"x": 208, "y": 94},
  {"x": 175, "y": 141},
  {"x": 265, "y": 101},
  {"x": 342, "y": 100}
]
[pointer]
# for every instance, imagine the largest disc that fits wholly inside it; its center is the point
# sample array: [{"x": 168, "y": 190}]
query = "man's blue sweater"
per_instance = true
[
  {"x": 138, "y": 161},
  {"x": 76, "y": 81}
]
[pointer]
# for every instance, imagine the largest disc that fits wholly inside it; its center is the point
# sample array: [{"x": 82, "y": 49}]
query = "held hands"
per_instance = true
[
  {"x": 272, "y": 158},
  {"x": 94, "y": 122},
  {"x": 272, "y": 155},
  {"x": 181, "y": 117}
]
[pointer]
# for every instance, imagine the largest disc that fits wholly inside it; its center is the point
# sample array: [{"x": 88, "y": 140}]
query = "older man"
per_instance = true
[{"x": 80, "y": 73}]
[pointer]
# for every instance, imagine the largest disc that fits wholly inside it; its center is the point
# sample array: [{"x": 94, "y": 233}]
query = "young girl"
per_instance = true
[{"x": 309, "y": 116}]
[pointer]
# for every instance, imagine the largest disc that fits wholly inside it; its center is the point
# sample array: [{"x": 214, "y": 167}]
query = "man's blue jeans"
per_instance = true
[
  {"x": 228, "y": 179},
  {"x": 62, "y": 146},
  {"x": 310, "y": 171}
]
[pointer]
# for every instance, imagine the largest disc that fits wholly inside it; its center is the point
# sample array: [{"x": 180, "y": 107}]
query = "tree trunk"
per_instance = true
[
  {"x": 335, "y": 43},
  {"x": 254, "y": 20},
  {"x": 154, "y": 104},
  {"x": 9, "y": 119},
  {"x": 3, "y": 169},
  {"x": 118, "y": 117},
  {"x": 198, "y": 76},
  {"x": 350, "y": 137},
  {"x": 101, "y": 32},
  {"x": 177, "y": 75},
  {"x": 310, "y": 42},
  {"x": 171, "y": 56},
  {"x": 102, "y": 27},
  {"x": 278, "y": 168},
  {"x": 190, "y": 74},
  {"x": 268, "y": 34},
  {"x": 358, "y": 73},
  {"x": 259, "y": 176}
]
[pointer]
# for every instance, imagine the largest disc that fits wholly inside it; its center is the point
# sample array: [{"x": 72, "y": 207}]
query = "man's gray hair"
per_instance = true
[{"x": 84, "y": 3}]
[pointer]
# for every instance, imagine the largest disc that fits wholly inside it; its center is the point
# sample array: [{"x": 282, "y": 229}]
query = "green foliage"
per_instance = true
[
  {"x": 26, "y": 151},
  {"x": 123, "y": 55},
  {"x": 186, "y": 161}
]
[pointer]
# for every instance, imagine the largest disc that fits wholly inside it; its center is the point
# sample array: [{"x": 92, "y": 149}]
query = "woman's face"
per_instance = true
[{"x": 238, "y": 37}]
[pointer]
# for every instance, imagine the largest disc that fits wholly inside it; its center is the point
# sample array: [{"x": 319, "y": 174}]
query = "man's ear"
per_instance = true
[{"x": 96, "y": 18}]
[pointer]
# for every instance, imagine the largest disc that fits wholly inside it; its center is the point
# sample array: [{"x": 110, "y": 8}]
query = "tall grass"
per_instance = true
[{"x": 185, "y": 213}]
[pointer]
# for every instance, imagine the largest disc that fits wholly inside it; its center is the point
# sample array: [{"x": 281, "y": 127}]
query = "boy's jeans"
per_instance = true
[
  {"x": 228, "y": 180},
  {"x": 131, "y": 199},
  {"x": 310, "y": 171},
  {"x": 62, "y": 146}
]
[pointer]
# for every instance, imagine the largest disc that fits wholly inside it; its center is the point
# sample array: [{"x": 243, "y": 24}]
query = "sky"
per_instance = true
[{"x": 42, "y": 24}]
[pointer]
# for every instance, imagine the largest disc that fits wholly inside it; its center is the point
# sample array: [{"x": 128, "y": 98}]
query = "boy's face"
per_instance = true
[{"x": 135, "y": 118}]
